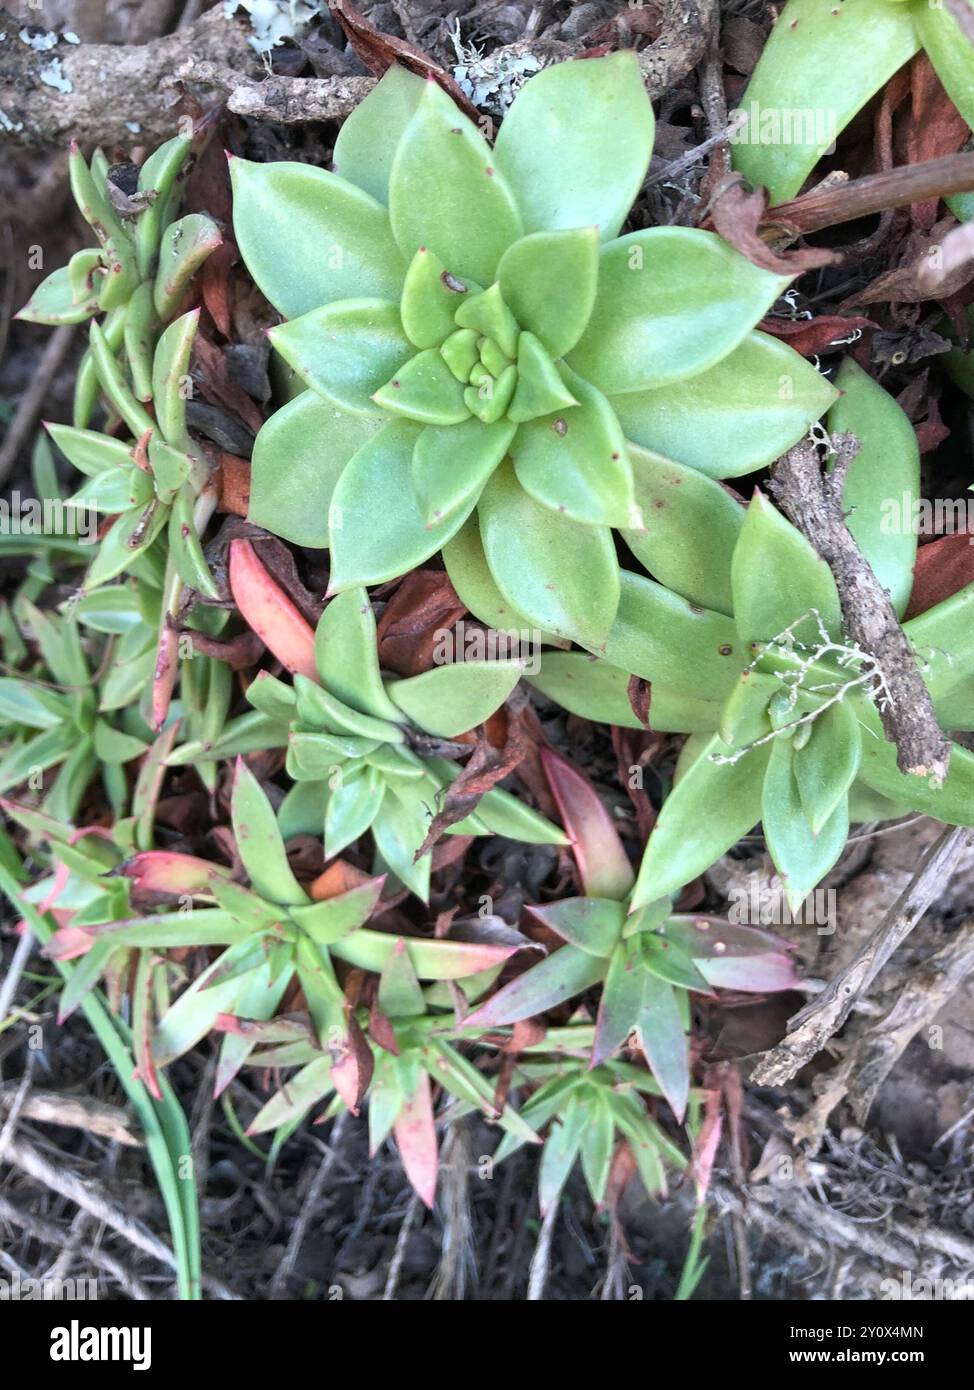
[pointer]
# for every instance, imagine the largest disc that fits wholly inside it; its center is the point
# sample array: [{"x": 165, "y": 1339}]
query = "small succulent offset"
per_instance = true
[
  {"x": 476, "y": 335},
  {"x": 136, "y": 275},
  {"x": 646, "y": 959},
  {"x": 352, "y": 742},
  {"x": 746, "y": 652}
]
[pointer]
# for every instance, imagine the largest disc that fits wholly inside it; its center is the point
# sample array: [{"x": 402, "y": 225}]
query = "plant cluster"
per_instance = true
[{"x": 470, "y": 363}]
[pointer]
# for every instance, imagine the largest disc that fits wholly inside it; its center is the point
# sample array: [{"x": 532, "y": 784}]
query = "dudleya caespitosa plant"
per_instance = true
[
  {"x": 744, "y": 648},
  {"x": 481, "y": 345}
]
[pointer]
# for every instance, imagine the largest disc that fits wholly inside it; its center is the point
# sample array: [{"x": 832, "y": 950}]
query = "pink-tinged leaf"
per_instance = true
[
  {"x": 432, "y": 959},
  {"x": 592, "y": 924},
  {"x": 61, "y": 875},
  {"x": 732, "y": 956},
  {"x": 603, "y": 867},
  {"x": 164, "y": 674},
  {"x": 663, "y": 1041},
  {"x": 751, "y": 974},
  {"x": 353, "y": 1071},
  {"x": 563, "y": 975},
  {"x": 708, "y": 1142},
  {"x": 68, "y": 943},
  {"x": 269, "y": 612},
  {"x": 165, "y": 871},
  {"x": 415, "y": 1134}
]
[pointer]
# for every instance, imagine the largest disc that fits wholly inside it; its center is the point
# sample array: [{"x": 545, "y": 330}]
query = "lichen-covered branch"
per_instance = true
[
  {"x": 812, "y": 501},
  {"x": 108, "y": 94}
]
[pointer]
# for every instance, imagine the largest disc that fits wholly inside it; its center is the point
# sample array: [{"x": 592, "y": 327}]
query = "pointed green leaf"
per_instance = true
[
  {"x": 541, "y": 388},
  {"x": 803, "y": 583},
  {"x": 593, "y": 925},
  {"x": 737, "y": 416},
  {"x": 882, "y": 486},
  {"x": 184, "y": 247},
  {"x": 431, "y": 297},
  {"x": 400, "y": 995},
  {"x": 801, "y": 857},
  {"x": 445, "y": 194},
  {"x": 709, "y": 809},
  {"x": 347, "y": 658},
  {"x": 548, "y": 281},
  {"x": 671, "y": 302},
  {"x": 450, "y": 700},
  {"x": 663, "y": 1041},
  {"x": 299, "y": 455},
  {"x": 352, "y": 807},
  {"x": 369, "y": 137},
  {"x": 345, "y": 350},
  {"x": 259, "y": 840},
  {"x": 562, "y": 575},
  {"x": 170, "y": 380},
  {"x": 560, "y": 1151},
  {"x": 691, "y": 527},
  {"x": 338, "y": 241},
  {"x": 376, "y": 529},
  {"x": 336, "y": 918},
  {"x": 399, "y": 830},
  {"x": 424, "y": 389},
  {"x": 661, "y": 637},
  {"x": 577, "y": 463},
  {"x": 451, "y": 464},
  {"x": 576, "y": 144},
  {"x": 826, "y": 766}
]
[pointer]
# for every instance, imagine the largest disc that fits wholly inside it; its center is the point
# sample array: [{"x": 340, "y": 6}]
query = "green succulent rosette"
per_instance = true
[{"x": 481, "y": 348}]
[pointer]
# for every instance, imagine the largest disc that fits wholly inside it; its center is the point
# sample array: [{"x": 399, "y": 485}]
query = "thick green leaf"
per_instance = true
[
  {"x": 22, "y": 702},
  {"x": 801, "y": 857},
  {"x": 663, "y": 1041},
  {"x": 943, "y": 639},
  {"x": 770, "y": 548},
  {"x": 259, "y": 840},
  {"x": 170, "y": 378},
  {"x": 562, "y": 575},
  {"x": 691, "y": 525},
  {"x": 352, "y": 807},
  {"x": 826, "y": 766},
  {"x": 882, "y": 485},
  {"x": 195, "y": 1012},
  {"x": 820, "y": 65},
  {"x": 345, "y": 350},
  {"x": 548, "y": 281},
  {"x": 470, "y": 575},
  {"x": 560, "y": 1151},
  {"x": 576, "y": 462},
  {"x": 500, "y": 813},
  {"x": 90, "y": 451},
  {"x": 553, "y": 981},
  {"x": 399, "y": 830},
  {"x": 445, "y": 193},
  {"x": 441, "y": 486},
  {"x": 950, "y": 51},
  {"x": 541, "y": 388},
  {"x": 206, "y": 927},
  {"x": 347, "y": 657},
  {"x": 594, "y": 925},
  {"x": 299, "y": 455},
  {"x": 585, "y": 686},
  {"x": 671, "y": 302},
  {"x": 661, "y": 637},
  {"x": 376, "y": 529},
  {"x": 450, "y": 700},
  {"x": 431, "y": 297},
  {"x": 336, "y": 918},
  {"x": 952, "y": 803},
  {"x": 424, "y": 389},
  {"x": 311, "y": 1084},
  {"x": 368, "y": 139},
  {"x": 576, "y": 144},
  {"x": 710, "y": 808},
  {"x": 622, "y": 997},
  {"x": 54, "y": 302},
  {"x": 667, "y": 960},
  {"x": 308, "y": 237},
  {"x": 736, "y": 416},
  {"x": 184, "y": 247}
]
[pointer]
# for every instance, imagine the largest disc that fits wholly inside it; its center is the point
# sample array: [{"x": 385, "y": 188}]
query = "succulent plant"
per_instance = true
[
  {"x": 821, "y": 65},
  {"x": 782, "y": 710},
  {"x": 645, "y": 958},
  {"x": 475, "y": 334},
  {"x": 136, "y": 275},
  {"x": 362, "y": 752}
]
